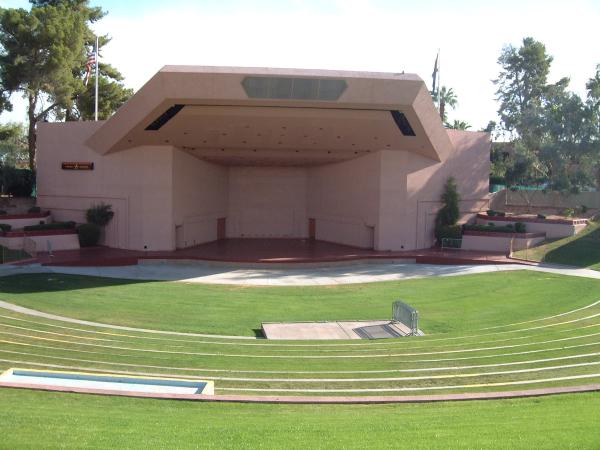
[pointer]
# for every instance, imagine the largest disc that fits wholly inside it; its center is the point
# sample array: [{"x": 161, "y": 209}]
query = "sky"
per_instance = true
[{"x": 364, "y": 35}]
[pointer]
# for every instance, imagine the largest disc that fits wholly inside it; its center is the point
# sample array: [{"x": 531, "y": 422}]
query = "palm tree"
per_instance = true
[
  {"x": 458, "y": 125},
  {"x": 445, "y": 96}
]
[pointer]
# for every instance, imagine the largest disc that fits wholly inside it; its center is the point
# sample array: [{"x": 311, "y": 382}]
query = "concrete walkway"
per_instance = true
[
  {"x": 349, "y": 400},
  {"x": 295, "y": 275}
]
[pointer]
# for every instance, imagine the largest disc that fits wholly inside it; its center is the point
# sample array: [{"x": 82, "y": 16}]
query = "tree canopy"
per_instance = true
[
  {"x": 43, "y": 52},
  {"x": 554, "y": 133}
]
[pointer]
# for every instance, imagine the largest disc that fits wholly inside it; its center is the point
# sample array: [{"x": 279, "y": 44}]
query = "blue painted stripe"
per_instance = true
[{"x": 113, "y": 379}]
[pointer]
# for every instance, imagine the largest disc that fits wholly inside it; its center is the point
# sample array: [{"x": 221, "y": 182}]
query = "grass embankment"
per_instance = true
[
  {"x": 581, "y": 250},
  {"x": 48, "y": 420},
  {"x": 448, "y": 304},
  {"x": 550, "y": 351}
]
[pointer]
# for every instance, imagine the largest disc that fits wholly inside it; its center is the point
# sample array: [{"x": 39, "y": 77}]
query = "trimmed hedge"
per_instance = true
[
  {"x": 89, "y": 234},
  {"x": 4, "y": 227},
  {"x": 490, "y": 227},
  {"x": 51, "y": 226},
  {"x": 492, "y": 213},
  {"x": 34, "y": 210},
  {"x": 518, "y": 227}
]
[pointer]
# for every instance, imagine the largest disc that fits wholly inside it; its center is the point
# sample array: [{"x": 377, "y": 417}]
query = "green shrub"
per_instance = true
[
  {"x": 450, "y": 232},
  {"x": 34, "y": 210},
  {"x": 583, "y": 209},
  {"x": 520, "y": 227},
  {"x": 51, "y": 226},
  {"x": 449, "y": 213},
  {"x": 568, "y": 212},
  {"x": 17, "y": 182},
  {"x": 2, "y": 212},
  {"x": 89, "y": 234},
  {"x": 5, "y": 227},
  {"x": 490, "y": 227},
  {"x": 100, "y": 214},
  {"x": 491, "y": 212},
  {"x": 541, "y": 216}
]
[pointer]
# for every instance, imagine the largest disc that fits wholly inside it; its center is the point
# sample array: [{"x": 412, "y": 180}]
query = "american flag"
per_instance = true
[{"x": 91, "y": 61}]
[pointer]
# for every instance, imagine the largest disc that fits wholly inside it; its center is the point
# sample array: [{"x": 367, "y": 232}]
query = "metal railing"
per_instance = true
[
  {"x": 451, "y": 244},
  {"x": 407, "y": 315}
]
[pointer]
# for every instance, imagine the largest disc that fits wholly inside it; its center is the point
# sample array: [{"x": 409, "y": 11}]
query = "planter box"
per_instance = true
[
  {"x": 40, "y": 241},
  {"x": 500, "y": 242},
  {"x": 553, "y": 228},
  {"x": 24, "y": 220}
]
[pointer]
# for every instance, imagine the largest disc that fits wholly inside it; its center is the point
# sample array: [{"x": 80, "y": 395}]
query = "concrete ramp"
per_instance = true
[{"x": 357, "y": 329}]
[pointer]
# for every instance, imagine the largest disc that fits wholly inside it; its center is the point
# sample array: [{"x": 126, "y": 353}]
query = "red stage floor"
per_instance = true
[{"x": 265, "y": 251}]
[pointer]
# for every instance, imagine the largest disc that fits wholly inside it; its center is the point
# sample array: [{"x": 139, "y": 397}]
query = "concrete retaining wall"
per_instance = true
[
  {"x": 57, "y": 242},
  {"x": 500, "y": 242}
]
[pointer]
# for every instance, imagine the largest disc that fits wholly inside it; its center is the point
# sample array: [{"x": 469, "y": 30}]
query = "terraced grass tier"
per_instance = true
[{"x": 553, "y": 341}]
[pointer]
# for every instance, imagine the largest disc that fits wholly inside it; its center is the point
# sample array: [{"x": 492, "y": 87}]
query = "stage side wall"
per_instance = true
[
  {"x": 143, "y": 211},
  {"x": 468, "y": 163},
  {"x": 343, "y": 199},
  {"x": 267, "y": 202},
  {"x": 199, "y": 199}
]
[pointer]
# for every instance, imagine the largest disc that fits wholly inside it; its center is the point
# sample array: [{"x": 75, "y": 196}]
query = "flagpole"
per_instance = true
[
  {"x": 439, "y": 81},
  {"x": 96, "y": 94}
]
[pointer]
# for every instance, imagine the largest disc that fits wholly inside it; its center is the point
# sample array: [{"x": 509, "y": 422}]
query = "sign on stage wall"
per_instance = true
[{"x": 77, "y": 165}]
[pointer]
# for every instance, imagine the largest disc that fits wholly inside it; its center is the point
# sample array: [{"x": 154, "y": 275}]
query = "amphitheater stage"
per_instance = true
[{"x": 267, "y": 251}]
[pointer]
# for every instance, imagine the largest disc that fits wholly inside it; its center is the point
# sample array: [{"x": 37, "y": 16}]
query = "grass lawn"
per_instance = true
[
  {"x": 30, "y": 419},
  {"x": 447, "y": 304},
  {"x": 582, "y": 250}
]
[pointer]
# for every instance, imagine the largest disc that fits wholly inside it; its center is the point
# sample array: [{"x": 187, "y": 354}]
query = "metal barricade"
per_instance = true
[{"x": 406, "y": 315}]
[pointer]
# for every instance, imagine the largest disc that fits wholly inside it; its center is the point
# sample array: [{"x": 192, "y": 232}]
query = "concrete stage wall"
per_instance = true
[
  {"x": 267, "y": 202},
  {"x": 165, "y": 198}
]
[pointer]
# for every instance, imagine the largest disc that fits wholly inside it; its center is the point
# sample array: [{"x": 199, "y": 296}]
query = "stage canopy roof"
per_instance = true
[{"x": 290, "y": 117}]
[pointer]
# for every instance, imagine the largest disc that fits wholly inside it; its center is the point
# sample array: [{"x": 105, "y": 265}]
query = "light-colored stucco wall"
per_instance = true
[
  {"x": 164, "y": 197},
  {"x": 552, "y": 230},
  {"x": 199, "y": 199},
  {"x": 499, "y": 243},
  {"x": 267, "y": 202},
  {"x": 411, "y": 187},
  {"x": 137, "y": 183},
  {"x": 41, "y": 243},
  {"x": 343, "y": 200}
]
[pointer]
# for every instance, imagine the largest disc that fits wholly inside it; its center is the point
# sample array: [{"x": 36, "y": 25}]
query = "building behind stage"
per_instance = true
[{"x": 200, "y": 154}]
